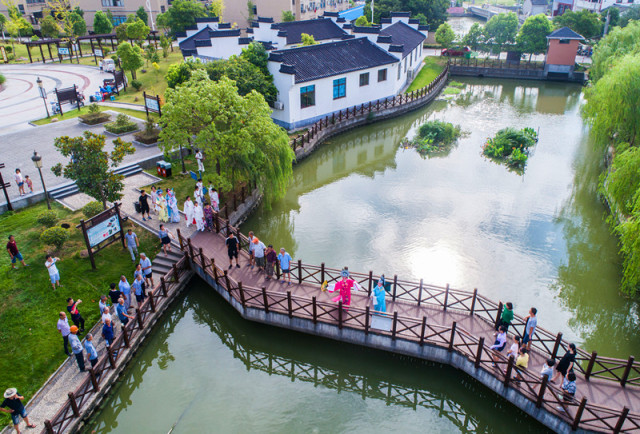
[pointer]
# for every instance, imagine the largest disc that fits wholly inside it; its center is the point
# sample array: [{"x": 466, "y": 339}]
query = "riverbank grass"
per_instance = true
[
  {"x": 29, "y": 341},
  {"x": 432, "y": 67},
  {"x": 85, "y": 111}
]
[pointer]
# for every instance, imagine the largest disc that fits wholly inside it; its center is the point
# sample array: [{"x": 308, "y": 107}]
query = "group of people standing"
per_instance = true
[{"x": 23, "y": 182}]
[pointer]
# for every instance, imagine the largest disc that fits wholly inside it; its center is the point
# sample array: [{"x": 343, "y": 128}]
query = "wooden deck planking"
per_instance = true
[{"x": 597, "y": 390}]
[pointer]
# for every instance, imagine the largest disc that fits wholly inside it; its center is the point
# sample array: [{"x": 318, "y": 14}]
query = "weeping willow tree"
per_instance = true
[{"x": 240, "y": 141}]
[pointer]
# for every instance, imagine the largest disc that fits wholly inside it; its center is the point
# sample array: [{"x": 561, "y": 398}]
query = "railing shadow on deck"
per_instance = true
[{"x": 577, "y": 413}]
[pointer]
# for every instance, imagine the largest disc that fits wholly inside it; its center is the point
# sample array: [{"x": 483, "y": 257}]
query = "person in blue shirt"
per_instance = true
[
  {"x": 379, "y": 302},
  {"x": 125, "y": 288},
  {"x": 76, "y": 347},
  {"x": 107, "y": 332},
  {"x": 92, "y": 353},
  {"x": 285, "y": 264},
  {"x": 145, "y": 263},
  {"x": 138, "y": 288},
  {"x": 121, "y": 310}
]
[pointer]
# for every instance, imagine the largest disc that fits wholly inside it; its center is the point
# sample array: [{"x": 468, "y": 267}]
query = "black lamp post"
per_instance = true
[
  {"x": 37, "y": 160},
  {"x": 43, "y": 94}
]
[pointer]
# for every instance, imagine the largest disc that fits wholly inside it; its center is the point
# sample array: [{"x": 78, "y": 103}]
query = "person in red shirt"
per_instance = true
[
  {"x": 344, "y": 286},
  {"x": 14, "y": 253}
]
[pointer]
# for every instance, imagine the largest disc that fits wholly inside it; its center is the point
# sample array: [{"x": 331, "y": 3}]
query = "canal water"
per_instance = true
[{"x": 361, "y": 200}]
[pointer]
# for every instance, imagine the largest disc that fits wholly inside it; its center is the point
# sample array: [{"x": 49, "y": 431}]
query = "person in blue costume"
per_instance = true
[{"x": 379, "y": 293}]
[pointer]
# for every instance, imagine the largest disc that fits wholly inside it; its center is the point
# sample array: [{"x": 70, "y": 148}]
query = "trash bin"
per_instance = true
[
  {"x": 467, "y": 55},
  {"x": 167, "y": 167},
  {"x": 159, "y": 166}
]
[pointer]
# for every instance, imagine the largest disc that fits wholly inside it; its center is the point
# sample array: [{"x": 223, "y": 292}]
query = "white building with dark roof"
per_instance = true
[
  {"x": 317, "y": 80},
  {"x": 289, "y": 34}
]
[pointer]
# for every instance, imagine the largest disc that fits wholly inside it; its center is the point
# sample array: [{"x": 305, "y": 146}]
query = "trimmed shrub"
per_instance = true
[
  {"x": 95, "y": 116},
  {"x": 137, "y": 84},
  {"x": 55, "y": 237},
  {"x": 48, "y": 218},
  {"x": 92, "y": 208},
  {"x": 121, "y": 125},
  {"x": 149, "y": 135},
  {"x": 2, "y": 79}
]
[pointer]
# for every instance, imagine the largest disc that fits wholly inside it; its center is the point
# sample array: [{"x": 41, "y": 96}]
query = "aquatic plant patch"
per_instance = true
[
  {"x": 435, "y": 138},
  {"x": 511, "y": 147}
]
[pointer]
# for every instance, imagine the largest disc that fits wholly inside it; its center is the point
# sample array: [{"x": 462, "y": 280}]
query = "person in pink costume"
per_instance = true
[{"x": 344, "y": 286}]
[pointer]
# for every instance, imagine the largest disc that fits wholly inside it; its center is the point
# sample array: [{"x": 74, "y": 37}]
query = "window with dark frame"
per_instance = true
[
  {"x": 564, "y": 41},
  {"x": 307, "y": 96},
  {"x": 364, "y": 79},
  {"x": 339, "y": 88},
  {"x": 382, "y": 75}
]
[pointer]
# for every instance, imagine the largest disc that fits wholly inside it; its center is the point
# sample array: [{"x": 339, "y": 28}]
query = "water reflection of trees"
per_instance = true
[{"x": 607, "y": 321}]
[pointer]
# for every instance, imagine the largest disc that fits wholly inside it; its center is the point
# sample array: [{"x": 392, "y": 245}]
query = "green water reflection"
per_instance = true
[
  {"x": 538, "y": 240},
  {"x": 204, "y": 369}
]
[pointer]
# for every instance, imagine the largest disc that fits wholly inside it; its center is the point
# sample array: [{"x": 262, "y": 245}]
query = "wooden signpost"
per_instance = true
[
  {"x": 102, "y": 230},
  {"x": 152, "y": 104}
]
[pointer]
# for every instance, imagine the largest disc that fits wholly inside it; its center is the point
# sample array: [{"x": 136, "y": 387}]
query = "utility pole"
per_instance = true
[
  {"x": 4, "y": 189},
  {"x": 372, "y": 19},
  {"x": 606, "y": 23}
]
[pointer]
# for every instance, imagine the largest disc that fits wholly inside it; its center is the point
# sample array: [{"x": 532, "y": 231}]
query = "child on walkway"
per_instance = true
[{"x": 29, "y": 183}]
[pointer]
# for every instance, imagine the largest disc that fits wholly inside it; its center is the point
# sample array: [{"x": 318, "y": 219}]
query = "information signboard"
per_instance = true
[
  {"x": 103, "y": 230},
  {"x": 98, "y": 52},
  {"x": 63, "y": 50}
]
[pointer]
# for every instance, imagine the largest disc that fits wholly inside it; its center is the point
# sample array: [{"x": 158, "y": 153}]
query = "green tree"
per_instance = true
[
  {"x": 623, "y": 180},
  {"x": 246, "y": 75},
  {"x": 614, "y": 17},
  {"x": 619, "y": 42},
  {"x": 612, "y": 106},
  {"x": 234, "y": 131},
  {"x": 101, "y": 24},
  {"x": 90, "y": 166},
  {"x": 286, "y": 16},
  {"x": 422, "y": 18},
  {"x": 78, "y": 25},
  {"x": 151, "y": 54},
  {"x": 362, "y": 21},
  {"x": 215, "y": 8},
  {"x": 78, "y": 11},
  {"x": 16, "y": 24},
  {"x": 445, "y": 35},
  {"x": 138, "y": 31},
  {"x": 583, "y": 22},
  {"x": 501, "y": 30},
  {"x": 165, "y": 43},
  {"x": 532, "y": 37},
  {"x": 3, "y": 22},
  {"x": 179, "y": 73},
  {"x": 256, "y": 53},
  {"x": 131, "y": 57},
  {"x": 475, "y": 38},
  {"x": 631, "y": 14},
  {"x": 181, "y": 14},
  {"x": 121, "y": 32},
  {"x": 250, "y": 14},
  {"x": 308, "y": 39},
  {"x": 142, "y": 14},
  {"x": 49, "y": 27}
]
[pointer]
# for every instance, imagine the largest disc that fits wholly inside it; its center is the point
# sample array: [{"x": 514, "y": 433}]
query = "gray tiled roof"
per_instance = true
[
  {"x": 321, "y": 29},
  {"x": 331, "y": 59},
  {"x": 402, "y": 34},
  {"x": 564, "y": 33}
]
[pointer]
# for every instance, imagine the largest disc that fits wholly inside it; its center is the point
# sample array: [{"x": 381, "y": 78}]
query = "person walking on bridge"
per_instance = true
[
  {"x": 271, "y": 258},
  {"x": 344, "y": 286},
  {"x": 13, "y": 400},
  {"x": 232, "y": 249},
  {"x": 530, "y": 328},
  {"x": 285, "y": 264},
  {"x": 378, "y": 295},
  {"x": 76, "y": 347},
  {"x": 565, "y": 364},
  {"x": 506, "y": 317}
]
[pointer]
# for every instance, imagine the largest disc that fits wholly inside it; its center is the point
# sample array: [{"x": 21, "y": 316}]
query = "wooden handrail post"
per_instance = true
[
  {"x": 289, "y": 304},
  {"x": 277, "y": 270},
  {"x": 453, "y": 336},
  {"x": 576, "y": 419},
  {"x": 498, "y": 315},
  {"x": 446, "y": 297},
  {"x": 180, "y": 239},
  {"x": 48, "y": 427},
  {"x": 556, "y": 346},
  {"x": 424, "y": 329},
  {"x": 74, "y": 404},
  {"x": 315, "y": 309},
  {"x": 176, "y": 275},
  {"x": 627, "y": 370},
  {"x": 592, "y": 361},
  {"x": 112, "y": 360},
  {"x": 94, "y": 380},
  {"x": 543, "y": 388},
  {"x": 395, "y": 325},
  {"x": 125, "y": 336},
  {"x": 163, "y": 285},
  {"x": 190, "y": 249},
  {"x": 215, "y": 270},
  {"x": 473, "y": 301},
  {"x": 152, "y": 303},
  {"x": 299, "y": 272},
  {"x": 395, "y": 285},
  {"x": 370, "y": 276},
  {"x": 367, "y": 313},
  {"x": 139, "y": 318},
  {"x": 265, "y": 301},
  {"x": 479, "y": 352},
  {"x": 340, "y": 314},
  {"x": 217, "y": 221},
  {"x": 507, "y": 374},
  {"x": 202, "y": 263},
  {"x": 420, "y": 292},
  {"x": 621, "y": 419},
  {"x": 322, "y": 273},
  {"x": 241, "y": 294}
]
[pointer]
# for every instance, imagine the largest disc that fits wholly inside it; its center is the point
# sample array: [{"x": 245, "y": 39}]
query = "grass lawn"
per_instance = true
[
  {"x": 29, "y": 341},
  {"x": 75, "y": 113},
  {"x": 153, "y": 81},
  {"x": 23, "y": 56},
  {"x": 432, "y": 67}
]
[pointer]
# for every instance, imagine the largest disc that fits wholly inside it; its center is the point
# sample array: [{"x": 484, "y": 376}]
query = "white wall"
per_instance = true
[
  {"x": 293, "y": 116},
  {"x": 222, "y": 48}
]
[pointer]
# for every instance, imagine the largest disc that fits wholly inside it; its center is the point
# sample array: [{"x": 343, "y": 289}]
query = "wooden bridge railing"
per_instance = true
[
  {"x": 95, "y": 378},
  {"x": 577, "y": 413},
  {"x": 495, "y": 63},
  {"x": 368, "y": 108}
]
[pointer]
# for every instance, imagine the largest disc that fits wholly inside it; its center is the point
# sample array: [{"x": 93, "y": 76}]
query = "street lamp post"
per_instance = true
[
  {"x": 43, "y": 94},
  {"x": 37, "y": 160}
]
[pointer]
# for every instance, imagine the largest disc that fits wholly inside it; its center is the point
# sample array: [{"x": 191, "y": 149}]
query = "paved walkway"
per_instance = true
[
  {"x": 17, "y": 148},
  {"x": 598, "y": 391}
]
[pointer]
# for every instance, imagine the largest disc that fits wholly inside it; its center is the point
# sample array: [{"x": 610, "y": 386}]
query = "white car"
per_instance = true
[{"x": 108, "y": 65}]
